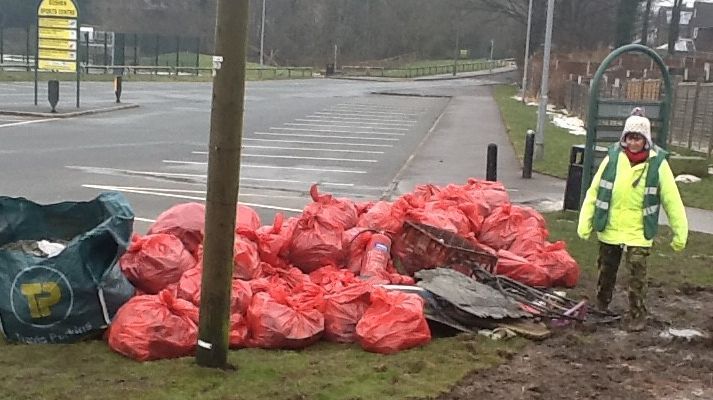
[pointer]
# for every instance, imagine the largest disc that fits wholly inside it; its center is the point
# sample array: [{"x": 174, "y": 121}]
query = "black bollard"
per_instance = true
[
  {"x": 53, "y": 94},
  {"x": 529, "y": 152},
  {"x": 491, "y": 174}
]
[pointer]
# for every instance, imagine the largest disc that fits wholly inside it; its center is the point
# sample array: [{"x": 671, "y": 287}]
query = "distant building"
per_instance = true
[
  {"x": 702, "y": 27},
  {"x": 693, "y": 20}
]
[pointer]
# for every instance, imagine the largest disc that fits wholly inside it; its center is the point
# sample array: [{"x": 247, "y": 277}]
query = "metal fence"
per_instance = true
[
  {"x": 428, "y": 70},
  {"x": 692, "y": 112}
]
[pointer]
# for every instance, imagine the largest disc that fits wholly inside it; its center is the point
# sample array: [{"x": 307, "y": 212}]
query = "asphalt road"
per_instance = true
[{"x": 350, "y": 137}]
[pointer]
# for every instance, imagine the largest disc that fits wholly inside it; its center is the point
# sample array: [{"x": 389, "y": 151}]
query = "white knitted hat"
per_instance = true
[{"x": 637, "y": 123}]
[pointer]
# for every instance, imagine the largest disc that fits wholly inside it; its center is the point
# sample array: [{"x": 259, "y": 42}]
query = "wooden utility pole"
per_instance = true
[{"x": 223, "y": 182}]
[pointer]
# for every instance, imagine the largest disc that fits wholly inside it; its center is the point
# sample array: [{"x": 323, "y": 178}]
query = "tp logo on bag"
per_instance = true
[{"x": 41, "y": 297}]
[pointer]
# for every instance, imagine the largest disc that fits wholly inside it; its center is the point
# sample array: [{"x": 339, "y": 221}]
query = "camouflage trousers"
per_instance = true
[{"x": 608, "y": 263}]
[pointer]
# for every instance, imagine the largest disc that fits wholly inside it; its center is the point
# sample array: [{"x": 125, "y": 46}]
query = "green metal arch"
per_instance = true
[{"x": 665, "y": 110}]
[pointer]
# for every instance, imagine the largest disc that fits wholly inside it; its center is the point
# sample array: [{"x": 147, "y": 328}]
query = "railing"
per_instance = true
[
  {"x": 415, "y": 72},
  {"x": 259, "y": 73},
  {"x": 251, "y": 73},
  {"x": 16, "y": 67}
]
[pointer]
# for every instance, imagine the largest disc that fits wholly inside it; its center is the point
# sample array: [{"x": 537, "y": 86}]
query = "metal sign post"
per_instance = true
[
  {"x": 57, "y": 39},
  {"x": 606, "y": 117}
]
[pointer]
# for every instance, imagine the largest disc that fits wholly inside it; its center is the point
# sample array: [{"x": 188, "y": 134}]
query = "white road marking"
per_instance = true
[
  {"x": 312, "y": 158},
  {"x": 338, "y": 131},
  {"x": 340, "y": 171},
  {"x": 368, "y": 109},
  {"x": 180, "y": 196},
  {"x": 36, "y": 121},
  {"x": 203, "y": 192},
  {"x": 310, "y": 122},
  {"x": 312, "y": 149},
  {"x": 144, "y": 220},
  {"x": 306, "y": 158},
  {"x": 247, "y": 165},
  {"x": 317, "y": 142},
  {"x": 327, "y": 136},
  {"x": 352, "y": 116},
  {"x": 172, "y": 174}
]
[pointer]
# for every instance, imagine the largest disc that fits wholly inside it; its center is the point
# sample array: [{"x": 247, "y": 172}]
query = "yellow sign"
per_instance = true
[
  {"x": 51, "y": 33},
  {"x": 58, "y": 44},
  {"x": 57, "y": 8},
  {"x": 59, "y": 66},
  {"x": 62, "y": 23},
  {"x": 58, "y": 54}
]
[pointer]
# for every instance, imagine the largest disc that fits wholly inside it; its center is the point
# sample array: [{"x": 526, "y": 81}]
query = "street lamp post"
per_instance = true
[
  {"x": 527, "y": 52},
  {"x": 262, "y": 35},
  {"x": 542, "y": 113}
]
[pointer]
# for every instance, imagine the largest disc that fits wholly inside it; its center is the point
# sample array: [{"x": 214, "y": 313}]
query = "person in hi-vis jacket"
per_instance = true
[{"x": 622, "y": 205}]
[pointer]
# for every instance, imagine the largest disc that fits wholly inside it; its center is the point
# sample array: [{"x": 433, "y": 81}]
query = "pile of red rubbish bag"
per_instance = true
[{"x": 318, "y": 275}]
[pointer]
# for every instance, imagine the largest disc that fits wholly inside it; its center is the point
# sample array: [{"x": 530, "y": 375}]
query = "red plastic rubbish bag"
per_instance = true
[
  {"x": 155, "y": 327},
  {"x": 273, "y": 240},
  {"x": 354, "y": 242},
  {"x": 489, "y": 194},
  {"x": 503, "y": 226},
  {"x": 336, "y": 211},
  {"x": 522, "y": 270},
  {"x": 189, "y": 288},
  {"x": 246, "y": 259},
  {"x": 562, "y": 268},
  {"x": 277, "y": 320},
  {"x": 185, "y": 221},
  {"x": 393, "y": 322},
  {"x": 316, "y": 242},
  {"x": 153, "y": 262},
  {"x": 247, "y": 219},
  {"x": 342, "y": 311},
  {"x": 382, "y": 216}
]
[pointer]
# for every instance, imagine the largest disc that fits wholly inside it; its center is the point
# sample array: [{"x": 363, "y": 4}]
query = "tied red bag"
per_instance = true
[
  {"x": 562, "y": 268},
  {"x": 189, "y": 288},
  {"x": 343, "y": 310},
  {"x": 155, "y": 327},
  {"x": 317, "y": 239},
  {"x": 393, "y": 322},
  {"x": 185, "y": 221},
  {"x": 246, "y": 259},
  {"x": 273, "y": 240},
  {"x": 506, "y": 223},
  {"x": 522, "y": 270},
  {"x": 382, "y": 217},
  {"x": 316, "y": 243},
  {"x": 278, "y": 320},
  {"x": 247, "y": 219},
  {"x": 153, "y": 262}
]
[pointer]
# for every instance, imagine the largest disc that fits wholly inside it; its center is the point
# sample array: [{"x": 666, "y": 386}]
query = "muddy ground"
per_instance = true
[{"x": 607, "y": 362}]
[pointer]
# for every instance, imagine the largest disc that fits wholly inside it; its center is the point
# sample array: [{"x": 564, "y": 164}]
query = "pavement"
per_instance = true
[{"x": 467, "y": 120}]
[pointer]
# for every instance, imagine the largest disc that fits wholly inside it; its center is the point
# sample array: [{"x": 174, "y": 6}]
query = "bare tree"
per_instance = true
[
  {"x": 674, "y": 28},
  {"x": 645, "y": 23}
]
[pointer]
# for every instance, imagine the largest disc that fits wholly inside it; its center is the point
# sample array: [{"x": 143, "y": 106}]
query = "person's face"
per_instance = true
[{"x": 635, "y": 142}]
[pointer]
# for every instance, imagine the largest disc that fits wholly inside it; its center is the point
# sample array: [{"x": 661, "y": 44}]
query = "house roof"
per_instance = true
[{"x": 682, "y": 45}]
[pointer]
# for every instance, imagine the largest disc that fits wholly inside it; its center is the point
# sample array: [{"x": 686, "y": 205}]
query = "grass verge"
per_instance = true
[
  {"x": 519, "y": 117},
  {"x": 324, "y": 371}
]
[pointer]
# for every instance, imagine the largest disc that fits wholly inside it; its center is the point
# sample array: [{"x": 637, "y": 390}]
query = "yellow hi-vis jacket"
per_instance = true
[{"x": 626, "y": 209}]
